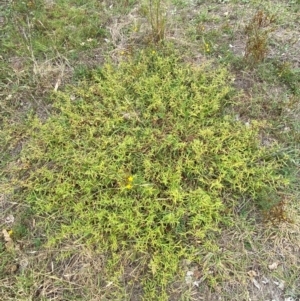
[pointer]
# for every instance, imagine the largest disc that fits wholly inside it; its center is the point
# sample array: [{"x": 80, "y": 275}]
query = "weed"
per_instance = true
[
  {"x": 138, "y": 160},
  {"x": 290, "y": 76},
  {"x": 156, "y": 15},
  {"x": 257, "y": 32}
]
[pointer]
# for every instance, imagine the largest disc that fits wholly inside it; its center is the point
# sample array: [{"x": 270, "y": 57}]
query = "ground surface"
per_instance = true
[{"x": 49, "y": 44}]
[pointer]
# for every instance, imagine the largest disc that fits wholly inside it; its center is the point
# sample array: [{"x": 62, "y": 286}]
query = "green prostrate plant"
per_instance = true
[
  {"x": 257, "y": 32},
  {"x": 141, "y": 163}
]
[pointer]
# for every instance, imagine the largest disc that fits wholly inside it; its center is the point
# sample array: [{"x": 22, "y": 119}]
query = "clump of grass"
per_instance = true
[
  {"x": 156, "y": 16},
  {"x": 290, "y": 76},
  {"x": 60, "y": 27},
  {"x": 257, "y": 32},
  {"x": 141, "y": 163}
]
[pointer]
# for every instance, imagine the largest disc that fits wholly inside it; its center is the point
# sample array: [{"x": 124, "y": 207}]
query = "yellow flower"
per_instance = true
[
  {"x": 130, "y": 179},
  {"x": 128, "y": 186},
  {"x": 207, "y": 47}
]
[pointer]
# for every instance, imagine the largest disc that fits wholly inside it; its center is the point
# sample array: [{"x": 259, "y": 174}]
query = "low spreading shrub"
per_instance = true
[{"x": 140, "y": 161}]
